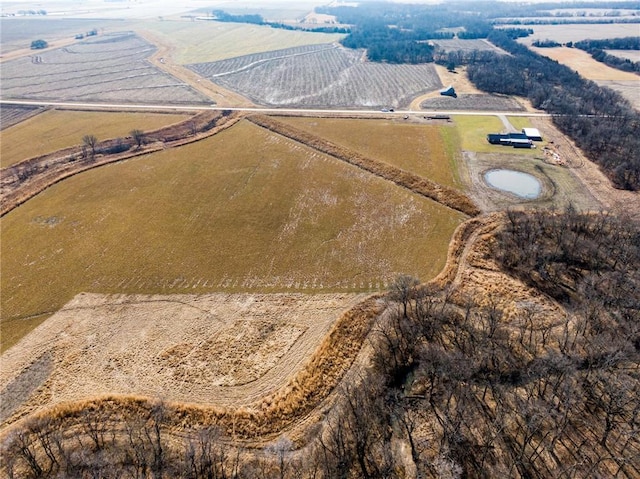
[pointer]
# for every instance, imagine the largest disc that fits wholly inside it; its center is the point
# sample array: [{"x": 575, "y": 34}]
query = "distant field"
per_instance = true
[
  {"x": 104, "y": 68},
  {"x": 244, "y": 210},
  {"x": 577, "y": 32},
  {"x": 628, "y": 89},
  {"x": 426, "y": 150},
  {"x": 202, "y": 41},
  {"x": 584, "y": 64},
  {"x": 18, "y": 33},
  {"x": 321, "y": 76},
  {"x": 456, "y": 44},
  {"x": 57, "y": 129},
  {"x": 633, "y": 55}
]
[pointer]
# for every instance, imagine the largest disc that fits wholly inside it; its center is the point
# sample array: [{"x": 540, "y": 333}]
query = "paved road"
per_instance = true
[{"x": 124, "y": 106}]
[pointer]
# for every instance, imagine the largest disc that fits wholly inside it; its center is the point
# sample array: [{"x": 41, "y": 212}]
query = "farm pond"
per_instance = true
[{"x": 520, "y": 184}]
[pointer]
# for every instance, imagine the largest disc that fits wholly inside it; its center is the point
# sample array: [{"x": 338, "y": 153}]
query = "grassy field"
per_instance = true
[
  {"x": 520, "y": 122},
  {"x": 474, "y": 130},
  {"x": 426, "y": 150},
  {"x": 57, "y": 129},
  {"x": 198, "y": 42},
  {"x": 584, "y": 64},
  {"x": 242, "y": 211}
]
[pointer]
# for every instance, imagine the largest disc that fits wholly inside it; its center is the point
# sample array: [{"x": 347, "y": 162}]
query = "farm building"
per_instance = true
[
  {"x": 449, "y": 91},
  {"x": 516, "y": 140},
  {"x": 532, "y": 134}
]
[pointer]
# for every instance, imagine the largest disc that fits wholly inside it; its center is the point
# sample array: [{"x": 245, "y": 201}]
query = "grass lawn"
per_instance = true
[
  {"x": 244, "y": 210},
  {"x": 57, "y": 129},
  {"x": 474, "y": 130}
]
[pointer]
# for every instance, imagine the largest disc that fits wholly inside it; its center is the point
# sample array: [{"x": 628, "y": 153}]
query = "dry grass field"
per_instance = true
[
  {"x": 57, "y": 129},
  {"x": 201, "y": 42},
  {"x": 104, "y": 68},
  {"x": 584, "y": 64},
  {"x": 225, "y": 349},
  {"x": 244, "y": 210},
  {"x": 628, "y": 89},
  {"x": 320, "y": 76},
  {"x": 431, "y": 151}
]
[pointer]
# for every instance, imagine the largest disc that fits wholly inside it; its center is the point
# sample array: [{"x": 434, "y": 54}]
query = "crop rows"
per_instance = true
[
  {"x": 321, "y": 77},
  {"x": 108, "y": 68},
  {"x": 456, "y": 44},
  {"x": 473, "y": 102},
  {"x": 11, "y": 115}
]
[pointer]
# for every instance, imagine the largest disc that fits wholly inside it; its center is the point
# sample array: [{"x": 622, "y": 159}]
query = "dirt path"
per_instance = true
[
  {"x": 163, "y": 59},
  {"x": 621, "y": 202}
]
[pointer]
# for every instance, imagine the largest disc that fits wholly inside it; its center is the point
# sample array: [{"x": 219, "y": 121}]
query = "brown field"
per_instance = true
[
  {"x": 473, "y": 102},
  {"x": 58, "y": 129},
  {"x": 13, "y": 114},
  {"x": 582, "y": 62},
  {"x": 427, "y": 150},
  {"x": 225, "y": 349},
  {"x": 244, "y": 210}
]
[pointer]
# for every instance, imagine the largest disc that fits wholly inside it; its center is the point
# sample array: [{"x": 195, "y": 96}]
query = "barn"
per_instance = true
[{"x": 532, "y": 134}]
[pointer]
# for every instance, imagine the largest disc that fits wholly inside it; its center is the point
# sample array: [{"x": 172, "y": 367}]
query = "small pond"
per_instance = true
[{"x": 516, "y": 182}]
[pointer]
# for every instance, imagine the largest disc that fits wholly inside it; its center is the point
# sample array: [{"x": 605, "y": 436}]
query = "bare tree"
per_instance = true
[
  {"x": 138, "y": 137},
  {"x": 90, "y": 141}
]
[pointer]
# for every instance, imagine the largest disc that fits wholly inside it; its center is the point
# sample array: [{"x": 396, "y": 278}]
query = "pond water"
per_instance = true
[{"x": 516, "y": 182}]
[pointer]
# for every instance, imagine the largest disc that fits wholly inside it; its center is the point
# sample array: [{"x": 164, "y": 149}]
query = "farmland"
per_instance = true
[
  {"x": 584, "y": 64},
  {"x": 427, "y": 150},
  {"x": 18, "y": 33},
  {"x": 633, "y": 55},
  {"x": 110, "y": 67},
  {"x": 473, "y": 102},
  {"x": 278, "y": 217},
  {"x": 58, "y": 129},
  {"x": 577, "y": 32},
  {"x": 456, "y": 44},
  {"x": 203, "y": 42},
  {"x": 11, "y": 115},
  {"x": 320, "y": 76}
]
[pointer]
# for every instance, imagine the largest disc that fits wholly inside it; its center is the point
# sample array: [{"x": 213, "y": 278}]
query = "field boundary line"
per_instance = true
[
  {"x": 53, "y": 168},
  {"x": 444, "y": 195}
]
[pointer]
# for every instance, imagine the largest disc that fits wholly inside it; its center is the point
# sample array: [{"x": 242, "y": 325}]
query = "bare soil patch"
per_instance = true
[
  {"x": 456, "y": 44},
  {"x": 221, "y": 349}
]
